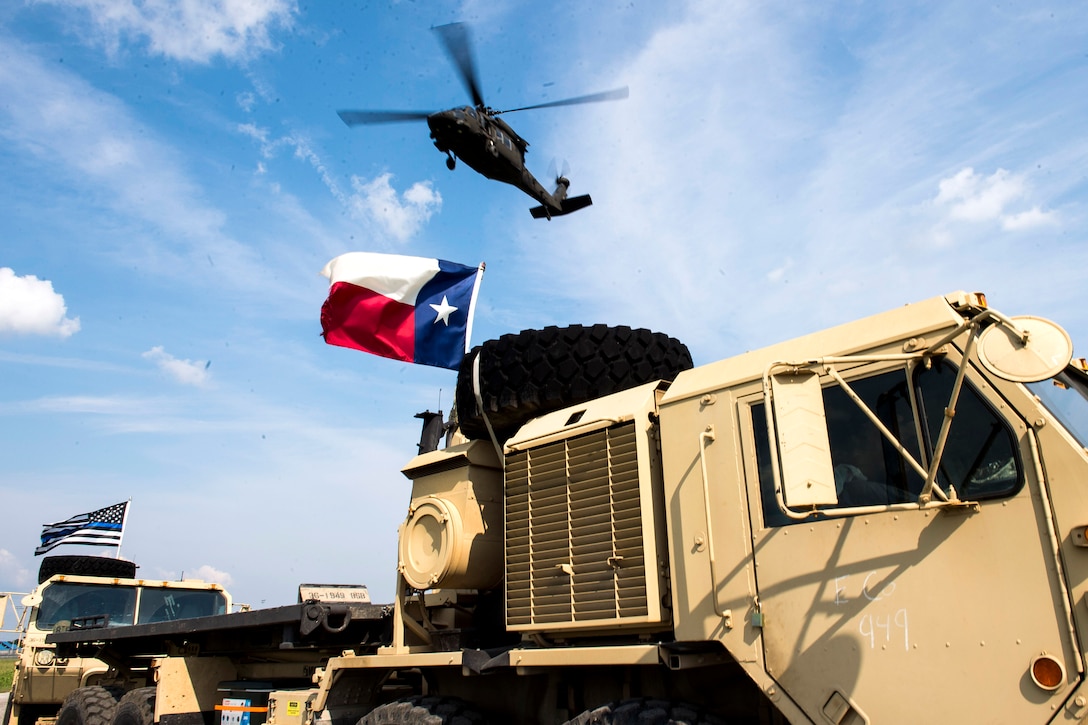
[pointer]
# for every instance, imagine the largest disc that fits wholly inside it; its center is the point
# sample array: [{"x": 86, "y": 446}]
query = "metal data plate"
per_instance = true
[{"x": 334, "y": 593}]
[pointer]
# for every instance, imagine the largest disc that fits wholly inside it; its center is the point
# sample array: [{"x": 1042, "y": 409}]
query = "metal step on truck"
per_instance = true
[{"x": 883, "y": 522}]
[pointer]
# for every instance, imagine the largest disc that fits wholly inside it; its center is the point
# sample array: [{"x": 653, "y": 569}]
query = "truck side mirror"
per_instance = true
[{"x": 808, "y": 476}]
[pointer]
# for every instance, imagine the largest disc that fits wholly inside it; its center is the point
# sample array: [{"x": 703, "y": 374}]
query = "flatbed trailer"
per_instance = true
[{"x": 294, "y": 632}]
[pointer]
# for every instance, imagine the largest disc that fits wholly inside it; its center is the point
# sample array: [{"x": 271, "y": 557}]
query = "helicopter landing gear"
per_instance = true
[{"x": 450, "y": 162}]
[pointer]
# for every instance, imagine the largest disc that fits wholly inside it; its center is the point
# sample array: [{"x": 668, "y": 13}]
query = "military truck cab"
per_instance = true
[{"x": 96, "y": 600}]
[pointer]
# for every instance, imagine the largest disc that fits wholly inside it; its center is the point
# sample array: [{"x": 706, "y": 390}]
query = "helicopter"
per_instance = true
[{"x": 476, "y": 135}]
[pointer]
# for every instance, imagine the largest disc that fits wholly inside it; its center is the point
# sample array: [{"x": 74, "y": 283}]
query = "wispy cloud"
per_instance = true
[
  {"x": 186, "y": 372},
  {"x": 188, "y": 31},
  {"x": 85, "y": 405},
  {"x": 62, "y": 120},
  {"x": 30, "y": 306},
  {"x": 94, "y": 141},
  {"x": 399, "y": 215}
]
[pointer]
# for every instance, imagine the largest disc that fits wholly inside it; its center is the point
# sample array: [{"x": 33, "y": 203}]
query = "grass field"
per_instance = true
[{"x": 7, "y": 667}]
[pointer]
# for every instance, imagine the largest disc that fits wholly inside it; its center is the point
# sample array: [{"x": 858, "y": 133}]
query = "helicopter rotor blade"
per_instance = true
[
  {"x": 358, "y": 118},
  {"x": 616, "y": 94},
  {"x": 458, "y": 43}
]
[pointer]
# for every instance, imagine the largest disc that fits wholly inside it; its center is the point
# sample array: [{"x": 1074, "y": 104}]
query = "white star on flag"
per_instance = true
[{"x": 444, "y": 311}]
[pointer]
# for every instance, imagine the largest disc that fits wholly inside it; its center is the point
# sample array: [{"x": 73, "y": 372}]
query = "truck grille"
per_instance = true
[{"x": 575, "y": 550}]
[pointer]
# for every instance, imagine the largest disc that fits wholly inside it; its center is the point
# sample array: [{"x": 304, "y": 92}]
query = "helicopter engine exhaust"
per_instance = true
[{"x": 559, "y": 196}]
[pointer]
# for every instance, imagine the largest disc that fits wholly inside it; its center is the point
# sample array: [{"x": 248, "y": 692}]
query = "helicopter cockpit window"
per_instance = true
[
  {"x": 470, "y": 111},
  {"x": 980, "y": 459}
]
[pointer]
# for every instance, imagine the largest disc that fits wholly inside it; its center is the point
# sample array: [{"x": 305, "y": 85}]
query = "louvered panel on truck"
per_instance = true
[{"x": 583, "y": 541}]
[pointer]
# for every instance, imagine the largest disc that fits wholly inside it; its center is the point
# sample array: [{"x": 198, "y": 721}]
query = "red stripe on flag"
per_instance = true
[{"x": 362, "y": 319}]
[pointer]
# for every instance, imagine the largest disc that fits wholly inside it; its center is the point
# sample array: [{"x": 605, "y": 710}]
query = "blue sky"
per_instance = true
[{"x": 175, "y": 177}]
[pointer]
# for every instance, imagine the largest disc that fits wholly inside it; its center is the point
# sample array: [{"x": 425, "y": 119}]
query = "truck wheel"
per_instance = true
[
  {"x": 645, "y": 711},
  {"x": 86, "y": 566},
  {"x": 89, "y": 706},
  {"x": 137, "y": 707},
  {"x": 422, "y": 711},
  {"x": 533, "y": 372}
]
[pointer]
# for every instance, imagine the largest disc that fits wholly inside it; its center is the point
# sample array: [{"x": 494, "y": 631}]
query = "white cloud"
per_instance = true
[
  {"x": 189, "y": 31},
  {"x": 13, "y": 572},
  {"x": 186, "y": 372},
  {"x": 1033, "y": 217},
  {"x": 211, "y": 574},
  {"x": 399, "y": 216},
  {"x": 246, "y": 100},
  {"x": 30, "y": 306},
  {"x": 969, "y": 196}
]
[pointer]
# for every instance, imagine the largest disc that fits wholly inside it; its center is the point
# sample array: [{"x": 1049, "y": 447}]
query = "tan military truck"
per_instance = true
[
  {"x": 884, "y": 522},
  {"x": 77, "y": 592}
]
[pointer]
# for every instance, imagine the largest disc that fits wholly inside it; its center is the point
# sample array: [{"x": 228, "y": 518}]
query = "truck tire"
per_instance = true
[
  {"x": 89, "y": 706},
  {"x": 533, "y": 372},
  {"x": 646, "y": 711},
  {"x": 136, "y": 707},
  {"x": 86, "y": 566},
  {"x": 423, "y": 711}
]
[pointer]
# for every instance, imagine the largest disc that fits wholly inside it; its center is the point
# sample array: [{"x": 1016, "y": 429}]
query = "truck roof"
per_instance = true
[{"x": 913, "y": 320}]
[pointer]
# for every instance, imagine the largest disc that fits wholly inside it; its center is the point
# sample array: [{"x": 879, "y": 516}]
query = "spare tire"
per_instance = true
[
  {"x": 86, "y": 566},
  {"x": 533, "y": 372}
]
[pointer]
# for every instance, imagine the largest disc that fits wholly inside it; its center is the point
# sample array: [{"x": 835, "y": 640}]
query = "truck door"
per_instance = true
[{"x": 878, "y": 609}]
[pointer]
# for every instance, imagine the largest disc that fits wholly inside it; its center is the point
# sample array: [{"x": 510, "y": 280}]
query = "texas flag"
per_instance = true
[{"x": 406, "y": 308}]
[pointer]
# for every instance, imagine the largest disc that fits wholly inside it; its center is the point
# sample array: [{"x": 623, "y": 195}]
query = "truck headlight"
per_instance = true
[{"x": 44, "y": 657}]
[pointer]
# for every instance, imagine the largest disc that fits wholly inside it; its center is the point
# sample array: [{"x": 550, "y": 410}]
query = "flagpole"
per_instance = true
[
  {"x": 472, "y": 305},
  {"x": 124, "y": 520}
]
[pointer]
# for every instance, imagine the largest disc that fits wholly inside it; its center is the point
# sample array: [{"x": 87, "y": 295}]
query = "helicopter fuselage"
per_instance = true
[{"x": 489, "y": 146}]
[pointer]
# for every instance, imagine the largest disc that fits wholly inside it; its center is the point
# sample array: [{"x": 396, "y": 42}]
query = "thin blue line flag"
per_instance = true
[{"x": 97, "y": 528}]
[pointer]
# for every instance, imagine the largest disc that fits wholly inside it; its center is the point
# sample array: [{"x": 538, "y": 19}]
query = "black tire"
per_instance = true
[
  {"x": 533, "y": 372},
  {"x": 89, "y": 706},
  {"x": 86, "y": 566},
  {"x": 423, "y": 711},
  {"x": 136, "y": 707},
  {"x": 646, "y": 711}
]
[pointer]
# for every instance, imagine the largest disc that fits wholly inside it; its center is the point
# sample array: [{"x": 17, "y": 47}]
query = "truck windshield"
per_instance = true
[
  {"x": 1066, "y": 396},
  {"x": 165, "y": 605},
  {"x": 65, "y": 601}
]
